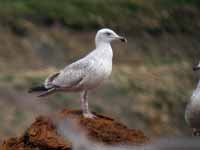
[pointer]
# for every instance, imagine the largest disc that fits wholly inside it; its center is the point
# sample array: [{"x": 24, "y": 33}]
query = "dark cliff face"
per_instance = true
[{"x": 44, "y": 133}]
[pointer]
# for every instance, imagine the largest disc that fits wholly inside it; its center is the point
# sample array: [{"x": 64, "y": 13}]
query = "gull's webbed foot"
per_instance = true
[{"x": 89, "y": 115}]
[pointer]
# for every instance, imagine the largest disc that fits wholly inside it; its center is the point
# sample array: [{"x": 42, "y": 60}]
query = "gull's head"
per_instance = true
[
  {"x": 196, "y": 67},
  {"x": 107, "y": 36}
]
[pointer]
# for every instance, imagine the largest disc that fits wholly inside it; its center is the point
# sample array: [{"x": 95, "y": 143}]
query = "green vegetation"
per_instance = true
[
  {"x": 171, "y": 3},
  {"x": 73, "y": 13},
  {"x": 90, "y": 14}
]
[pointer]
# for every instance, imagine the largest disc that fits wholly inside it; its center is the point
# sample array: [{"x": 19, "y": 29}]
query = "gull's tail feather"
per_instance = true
[
  {"x": 40, "y": 88},
  {"x": 48, "y": 92}
]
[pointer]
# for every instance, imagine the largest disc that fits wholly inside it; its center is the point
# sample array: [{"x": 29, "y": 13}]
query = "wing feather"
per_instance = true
[
  {"x": 72, "y": 75},
  {"x": 49, "y": 80}
]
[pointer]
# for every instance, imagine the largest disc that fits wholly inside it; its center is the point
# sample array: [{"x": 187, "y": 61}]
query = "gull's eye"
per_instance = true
[{"x": 108, "y": 33}]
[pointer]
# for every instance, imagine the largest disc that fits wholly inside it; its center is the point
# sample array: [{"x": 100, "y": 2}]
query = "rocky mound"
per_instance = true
[{"x": 43, "y": 134}]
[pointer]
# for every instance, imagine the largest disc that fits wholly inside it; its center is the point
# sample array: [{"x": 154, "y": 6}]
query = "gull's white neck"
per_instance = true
[
  {"x": 104, "y": 48},
  {"x": 196, "y": 95}
]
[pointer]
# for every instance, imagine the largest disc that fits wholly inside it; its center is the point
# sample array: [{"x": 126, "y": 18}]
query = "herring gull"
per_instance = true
[
  {"x": 84, "y": 74},
  {"x": 192, "y": 112}
]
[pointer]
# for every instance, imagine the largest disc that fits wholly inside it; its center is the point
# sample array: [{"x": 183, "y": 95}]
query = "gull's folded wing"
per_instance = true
[{"x": 72, "y": 75}]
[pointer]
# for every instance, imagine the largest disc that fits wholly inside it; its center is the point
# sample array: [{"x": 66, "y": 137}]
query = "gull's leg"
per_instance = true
[{"x": 84, "y": 106}]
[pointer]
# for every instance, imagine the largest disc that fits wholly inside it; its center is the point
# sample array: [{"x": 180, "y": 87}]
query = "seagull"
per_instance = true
[
  {"x": 192, "y": 112},
  {"x": 84, "y": 74}
]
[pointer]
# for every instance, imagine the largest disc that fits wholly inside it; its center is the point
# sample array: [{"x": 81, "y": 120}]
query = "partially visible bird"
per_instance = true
[
  {"x": 84, "y": 74},
  {"x": 192, "y": 112}
]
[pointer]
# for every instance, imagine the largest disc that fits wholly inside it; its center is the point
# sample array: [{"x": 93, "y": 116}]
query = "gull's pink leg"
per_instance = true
[{"x": 84, "y": 106}]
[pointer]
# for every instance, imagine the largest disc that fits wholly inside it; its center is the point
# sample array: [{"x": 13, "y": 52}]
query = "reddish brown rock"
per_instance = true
[{"x": 43, "y": 134}]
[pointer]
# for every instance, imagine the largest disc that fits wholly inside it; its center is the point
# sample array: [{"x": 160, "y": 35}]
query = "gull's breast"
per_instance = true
[
  {"x": 99, "y": 72},
  {"x": 192, "y": 113}
]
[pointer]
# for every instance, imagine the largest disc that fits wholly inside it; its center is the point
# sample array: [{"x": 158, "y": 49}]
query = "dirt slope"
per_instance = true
[{"x": 42, "y": 134}]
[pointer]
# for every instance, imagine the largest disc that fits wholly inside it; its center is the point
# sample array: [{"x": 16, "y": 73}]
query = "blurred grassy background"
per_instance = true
[{"x": 152, "y": 78}]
